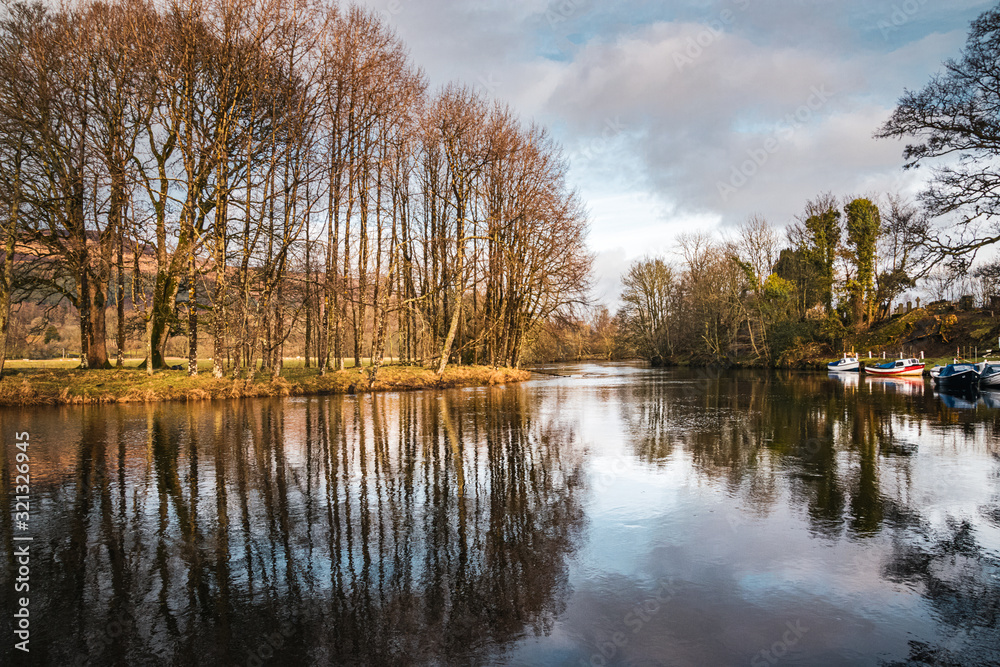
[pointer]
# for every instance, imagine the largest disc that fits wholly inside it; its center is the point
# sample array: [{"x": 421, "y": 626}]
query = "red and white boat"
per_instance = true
[{"x": 899, "y": 367}]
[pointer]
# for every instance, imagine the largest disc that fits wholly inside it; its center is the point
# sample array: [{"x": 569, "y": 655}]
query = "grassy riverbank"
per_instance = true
[{"x": 48, "y": 386}]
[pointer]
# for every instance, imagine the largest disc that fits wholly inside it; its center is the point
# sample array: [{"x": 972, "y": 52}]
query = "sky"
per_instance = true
[{"x": 694, "y": 115}]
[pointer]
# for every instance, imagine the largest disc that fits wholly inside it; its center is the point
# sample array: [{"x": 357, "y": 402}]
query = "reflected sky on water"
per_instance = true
[{"x": 608, "y": 515}]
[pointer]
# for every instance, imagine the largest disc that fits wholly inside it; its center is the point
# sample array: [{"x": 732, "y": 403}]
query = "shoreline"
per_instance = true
[
  {"x": 28, "y": 388},
  {"x": 814, "y": 365},
  {"x": 806, "y": 364}
]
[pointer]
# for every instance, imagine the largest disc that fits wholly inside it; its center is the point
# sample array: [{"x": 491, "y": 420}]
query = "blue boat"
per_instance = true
[{"x": 961, "y": 378}]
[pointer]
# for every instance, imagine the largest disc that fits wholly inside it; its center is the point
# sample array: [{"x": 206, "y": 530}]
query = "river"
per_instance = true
[{"x": 606, "y": 514}]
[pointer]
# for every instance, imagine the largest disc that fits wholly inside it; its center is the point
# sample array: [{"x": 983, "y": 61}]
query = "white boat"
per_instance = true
[
  {"x": 844, "y": 365},
  {"x": 899, "y": 367},
  {"x": 989, "y": 378}
]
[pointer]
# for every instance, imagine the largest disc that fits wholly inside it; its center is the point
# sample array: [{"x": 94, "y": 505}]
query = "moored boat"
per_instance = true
[
  {"x": 957, "y": 378},
  {"x": 846, "y": 364},
  {"x": 989, "y": 377},
  {"x": 899, "y": 367}
]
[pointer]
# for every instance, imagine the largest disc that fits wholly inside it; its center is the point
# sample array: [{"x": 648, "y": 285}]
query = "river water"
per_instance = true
[{"x": 608, "y": 515}]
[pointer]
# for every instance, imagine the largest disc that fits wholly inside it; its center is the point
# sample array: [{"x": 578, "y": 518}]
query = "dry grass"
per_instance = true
[
  {"x": 203, "y": 364},
  {"x": 51, "y": 386}
]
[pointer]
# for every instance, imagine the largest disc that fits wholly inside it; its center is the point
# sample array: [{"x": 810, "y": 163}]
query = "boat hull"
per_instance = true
[
  {"x": 907, "y": 371},
  {"x": 838, "y": 367},
  {"x": 961, "y": 382},
  {"x": 990, "y": 381}
]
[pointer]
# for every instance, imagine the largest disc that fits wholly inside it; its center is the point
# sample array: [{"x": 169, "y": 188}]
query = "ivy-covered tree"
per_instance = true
[
  {"x": 823, "y": 225},
  {"x": 795, "y": 267},
  {"x": 810, "y": 263},
  {"x": 864, "y": 224}
]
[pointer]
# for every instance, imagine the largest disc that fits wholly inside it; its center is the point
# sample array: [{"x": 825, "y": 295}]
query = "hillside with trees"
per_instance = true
[
  {"x": 756, "y": 296},
  {"x": 834, "y": 281}
]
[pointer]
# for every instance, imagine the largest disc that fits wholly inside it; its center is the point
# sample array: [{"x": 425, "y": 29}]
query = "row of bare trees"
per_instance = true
[{"x": 254, "y": 168}]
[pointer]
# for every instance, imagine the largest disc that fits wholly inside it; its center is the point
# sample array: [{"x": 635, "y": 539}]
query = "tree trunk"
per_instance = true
[
  {"x": 192, "y": 307},
  {"x": 97, "y": 346},
  {"x": 307, "y": 304},
  {"x": 220, "y": 296},
  {"x": 150, "y": 349},
  {"x": 7, "y": 274},
  {"x": 117, "y": 223},
  {"x": 278, "y": 359},
  {"x": 157, "y": 330},
  {"x": 6, "y": 277},
  {"x": 83, "y": 300},
  {"x": 120, "y": 301},
  {"x": 450, "y": 339}
]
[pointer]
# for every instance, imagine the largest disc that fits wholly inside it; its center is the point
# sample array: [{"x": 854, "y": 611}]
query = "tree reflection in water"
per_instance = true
[
  {"x": 438, "y": 527},
  {"x": 379, "y": 530},
  {"x": 844, "y": 453},
  {"x": 959, "y": 578},
  {"x": 835, "y": 442}
]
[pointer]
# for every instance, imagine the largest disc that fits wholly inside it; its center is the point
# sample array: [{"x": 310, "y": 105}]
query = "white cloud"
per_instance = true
[{"x": 695, "y": 89}]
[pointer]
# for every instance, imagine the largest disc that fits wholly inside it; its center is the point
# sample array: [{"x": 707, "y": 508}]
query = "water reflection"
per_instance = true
[
  {"x": 959, "y": 400},
  {"x": 839, "y": 441},
  {"x": 524, "y": 525},
  {"x": 914, "y": 386},
  {"x": 990, "y": 399},
  {"x": 846, "y": 453},
  {"x": 851, "y": 380},
  {"x": 960, "y": 577},
  {"x": 398, "y": 529}
]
